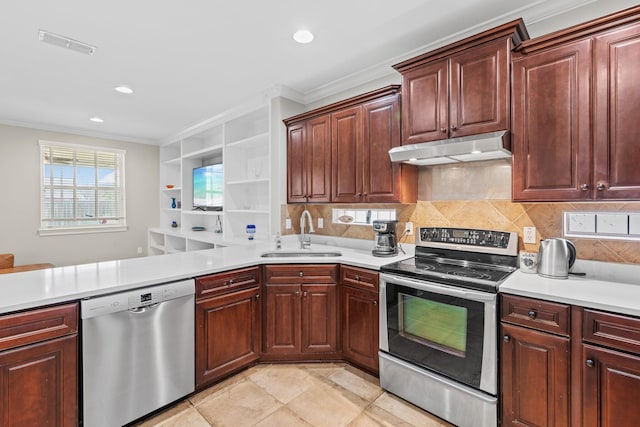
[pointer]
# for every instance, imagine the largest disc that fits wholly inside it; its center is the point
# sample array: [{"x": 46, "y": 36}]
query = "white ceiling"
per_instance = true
[{"x": 190, "y": 60}]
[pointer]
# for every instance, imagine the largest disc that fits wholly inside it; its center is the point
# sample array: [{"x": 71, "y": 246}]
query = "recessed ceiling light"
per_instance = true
[
  {"x": 123, "y": 89},
  {"x": 303, "y": 36},
  {"x": 96, "y": 120}
]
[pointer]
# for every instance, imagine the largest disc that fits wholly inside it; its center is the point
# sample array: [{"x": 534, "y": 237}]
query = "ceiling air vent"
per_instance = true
[{"x": 66, "y": 42}]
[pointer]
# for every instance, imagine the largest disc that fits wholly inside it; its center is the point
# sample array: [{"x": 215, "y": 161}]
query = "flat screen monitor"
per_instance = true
[{"x": 207, "y": 187}]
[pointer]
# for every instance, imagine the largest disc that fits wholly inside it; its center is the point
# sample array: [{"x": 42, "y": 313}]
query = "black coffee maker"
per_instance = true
[{"x": 385, "y": 243}]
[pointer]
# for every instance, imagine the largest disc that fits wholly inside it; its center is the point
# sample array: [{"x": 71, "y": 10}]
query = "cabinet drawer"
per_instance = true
[
  {"x": 216, "y": 284},
  {"x": 303, "y": 273},
  {"x": 37, "y": 325},
  {"x": 359, "y": 278},
  {"x": 611, "y": 330},
  {"x": 537, "y": 314}
]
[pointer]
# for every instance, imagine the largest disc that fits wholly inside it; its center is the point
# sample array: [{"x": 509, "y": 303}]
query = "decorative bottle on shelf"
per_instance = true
[
  {"x": 251, "y": 231},
  {"x": 173, "y": 202}
]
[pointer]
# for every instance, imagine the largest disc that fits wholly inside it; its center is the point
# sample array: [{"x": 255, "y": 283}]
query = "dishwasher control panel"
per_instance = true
[
  {"x": 145, "y": 298},
  {"x": 137, "y": 298}
]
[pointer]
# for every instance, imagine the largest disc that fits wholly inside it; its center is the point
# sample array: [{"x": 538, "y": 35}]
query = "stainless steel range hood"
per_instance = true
[{"x": 486, "y": 146}]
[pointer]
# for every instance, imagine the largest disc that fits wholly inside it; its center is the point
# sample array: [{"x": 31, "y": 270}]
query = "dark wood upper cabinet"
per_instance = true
[
  {"x": 309, "y": 160},
  {"x": 347, "y": 155},
  {"x": 425, "y": 112},
  {"x": 357, "y": 133},
  {"x": 460, "y": 89},
  {"x": 551, "y": 140},
  {"x": 616, "y": 108},
  {"x": 575, "y": 107}
]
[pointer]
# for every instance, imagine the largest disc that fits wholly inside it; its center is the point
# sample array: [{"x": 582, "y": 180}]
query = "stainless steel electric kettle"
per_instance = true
[{"x": 555, "y": 258}]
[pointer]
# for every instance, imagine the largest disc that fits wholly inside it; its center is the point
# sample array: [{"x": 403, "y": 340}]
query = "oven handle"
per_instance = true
[{"x": 428, "y": 286}]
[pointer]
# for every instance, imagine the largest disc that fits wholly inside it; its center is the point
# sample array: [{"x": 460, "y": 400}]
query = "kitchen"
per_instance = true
[{"x": 452, "y": 211}]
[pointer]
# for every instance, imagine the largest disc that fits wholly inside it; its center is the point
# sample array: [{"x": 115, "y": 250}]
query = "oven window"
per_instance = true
[
  {"x": 436, "y": 331},
  {"x": 435, "y": 324}
]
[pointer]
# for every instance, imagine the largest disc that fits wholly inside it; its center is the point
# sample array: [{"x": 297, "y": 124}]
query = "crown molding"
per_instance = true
[{"x": 75, "y": 131}]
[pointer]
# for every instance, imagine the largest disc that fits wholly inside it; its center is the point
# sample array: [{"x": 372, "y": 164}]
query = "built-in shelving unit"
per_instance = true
[{"x": 250, "y": 143}]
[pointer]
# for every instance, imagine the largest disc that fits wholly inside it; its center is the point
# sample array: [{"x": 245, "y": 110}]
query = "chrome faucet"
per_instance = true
[{"x": 304, "y": 242}]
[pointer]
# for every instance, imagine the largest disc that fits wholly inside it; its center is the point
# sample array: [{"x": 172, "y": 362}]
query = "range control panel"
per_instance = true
[{"x": 466, "y": 237}]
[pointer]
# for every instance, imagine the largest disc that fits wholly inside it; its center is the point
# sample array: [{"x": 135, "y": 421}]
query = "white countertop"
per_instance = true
[
  {"x": 36, "y": 288},
  {"x": 606, "y": 286}
]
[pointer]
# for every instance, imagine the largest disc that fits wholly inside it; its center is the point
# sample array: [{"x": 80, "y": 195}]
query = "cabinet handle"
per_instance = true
[
  {"x": 453, "y": 127},
  {"x": 304, "y": 294},
  {"x": 357, "y": 278},
  {"x": 375, "y": 302},
  {"x": 230, "y": 282},
  {"x": 584, "y": 187},
  {"x": 443, "y": 130},
  {"x": 257, "y": 296},
  {"x": 301, "y": 274},
  {"x": 506, "y": 338},
  {"x": 532, "y": 314},
  {"x": 590, "y": 363},
  {"x": 600, "y": 186},
  {"x": 297, "y": 293}
]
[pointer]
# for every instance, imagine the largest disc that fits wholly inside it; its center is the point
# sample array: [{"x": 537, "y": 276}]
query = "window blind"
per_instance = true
[{"x": 82, "y": 187}]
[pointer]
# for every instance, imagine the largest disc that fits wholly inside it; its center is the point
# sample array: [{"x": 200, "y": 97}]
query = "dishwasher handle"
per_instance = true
[{"x": 144, "y": 308}]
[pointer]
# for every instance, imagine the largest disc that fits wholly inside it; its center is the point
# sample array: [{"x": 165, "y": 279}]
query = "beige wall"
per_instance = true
[{"x": 20, "y": 202}]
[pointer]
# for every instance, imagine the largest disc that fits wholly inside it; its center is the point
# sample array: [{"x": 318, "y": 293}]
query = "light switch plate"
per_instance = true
[
  {"x": 287, "y": 223},
  {"x": 612, "y": 224},
  {"x": 320, "y": 222},
  {"x": 582, "y": 222},
  {"x": 634, "y": 224}
]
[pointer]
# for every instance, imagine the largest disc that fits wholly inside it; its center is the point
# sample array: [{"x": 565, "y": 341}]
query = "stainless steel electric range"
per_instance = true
[{"x": 438, "y": 322}]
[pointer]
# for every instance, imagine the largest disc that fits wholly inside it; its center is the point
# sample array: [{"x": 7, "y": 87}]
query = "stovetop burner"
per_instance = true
[{"x": 481, "y": 260}]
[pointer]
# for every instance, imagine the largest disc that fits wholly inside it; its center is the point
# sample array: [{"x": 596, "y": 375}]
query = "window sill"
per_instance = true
[{"x": 81, "y": 230}]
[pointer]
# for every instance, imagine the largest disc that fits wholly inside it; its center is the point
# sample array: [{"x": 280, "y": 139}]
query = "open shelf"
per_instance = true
[{"x": 249, "y": 142}]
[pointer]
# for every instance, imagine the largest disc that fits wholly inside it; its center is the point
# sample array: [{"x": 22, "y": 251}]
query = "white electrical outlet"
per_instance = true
[
  {"x": 408, "y": 228},
  {"x": 287, "y": 223},
  {"x": 530, "y": 235},
  {"x": 139, "y": 250},
  {"x": 320, "y": 222}
]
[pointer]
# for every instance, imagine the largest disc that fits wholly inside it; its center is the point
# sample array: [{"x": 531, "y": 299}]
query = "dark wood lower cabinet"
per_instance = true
[
  {"x": 360, "y": 327},
  {"x": 38, "y": 384},
  {"x": 301, "y": 312},
  {"x": 535, "y": 378},
  {"x": 228, "y": 334}
]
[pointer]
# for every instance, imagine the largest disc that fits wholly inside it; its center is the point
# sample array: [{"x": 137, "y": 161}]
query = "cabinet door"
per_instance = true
[
  {"x": 551, "y": 124},
  {"x": 535, "y": 378},
  {"x": 381, "y": 132},
  {"x": 296, "y": 170},
  {"x": 425, "y": 104},
  {"x": 360, "y": 327},
  {"x": 319, "y": 319},
  {"x": 228, "y": 334},
  {"x": 479, "y": 100},
  {"x": 318, "y": 159},
  {"x": 39, "y": 385},
  {"x": 282, "y": 331},
  {"x": 616, "y": 124},
  {"x": 610, "y": 384},
  {"x": 347, "y": 156}
]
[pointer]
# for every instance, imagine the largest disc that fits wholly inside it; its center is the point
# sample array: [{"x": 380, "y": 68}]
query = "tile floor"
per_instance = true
[{"x": 327, "y": 394}]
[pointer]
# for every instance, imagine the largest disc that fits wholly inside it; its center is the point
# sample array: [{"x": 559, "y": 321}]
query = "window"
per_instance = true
[{"x": 82, "y": 189}]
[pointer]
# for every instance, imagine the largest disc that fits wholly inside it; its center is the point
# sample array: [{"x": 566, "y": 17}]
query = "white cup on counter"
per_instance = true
[{"x": 528, "y": 262}]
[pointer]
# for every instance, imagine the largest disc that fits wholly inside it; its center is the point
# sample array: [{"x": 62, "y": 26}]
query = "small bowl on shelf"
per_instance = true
[{"x": 169, "y": 186}]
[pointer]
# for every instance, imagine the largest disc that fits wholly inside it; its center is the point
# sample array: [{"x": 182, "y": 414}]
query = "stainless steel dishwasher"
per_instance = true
[{"x": 137, "y": 352}]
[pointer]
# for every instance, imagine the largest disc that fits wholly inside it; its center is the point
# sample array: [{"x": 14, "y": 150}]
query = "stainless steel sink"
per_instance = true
[{"x": 300, "y": 253}]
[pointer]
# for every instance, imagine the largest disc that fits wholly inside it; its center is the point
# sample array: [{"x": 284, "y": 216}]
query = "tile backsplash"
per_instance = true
[
  {"x": 490, "y": 214},
  {"x": 478, "y": 195}
]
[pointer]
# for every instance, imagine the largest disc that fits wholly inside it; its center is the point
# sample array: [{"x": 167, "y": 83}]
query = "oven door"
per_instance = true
[{"x": 445, "y": 329}]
